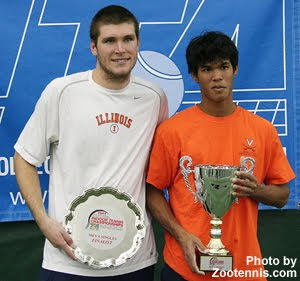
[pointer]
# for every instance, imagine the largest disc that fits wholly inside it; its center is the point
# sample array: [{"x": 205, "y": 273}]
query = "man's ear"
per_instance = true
[
  {"x": 93, "y": 48},
  {"x": 138, "y": 42},
  {"x": 195, "y": 77},
  {"x": 236, "y": 71}
]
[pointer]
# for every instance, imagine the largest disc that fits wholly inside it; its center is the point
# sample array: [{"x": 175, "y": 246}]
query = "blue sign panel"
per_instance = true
[{"x": 42, "y": 40}]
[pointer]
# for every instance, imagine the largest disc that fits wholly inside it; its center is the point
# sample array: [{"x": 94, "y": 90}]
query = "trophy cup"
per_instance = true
[{"x": 213, "y": 190}]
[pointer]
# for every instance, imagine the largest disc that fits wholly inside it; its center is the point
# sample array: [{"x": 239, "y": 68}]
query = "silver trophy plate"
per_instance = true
[{"x": 106, "y": 225}]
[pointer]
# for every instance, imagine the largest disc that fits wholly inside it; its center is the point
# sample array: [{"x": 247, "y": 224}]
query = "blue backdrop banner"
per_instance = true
[{"x": 42, "y": 40}]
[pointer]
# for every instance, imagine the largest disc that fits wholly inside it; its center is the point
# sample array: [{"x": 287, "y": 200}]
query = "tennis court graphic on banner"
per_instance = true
[{"x": 42, "y": 40}]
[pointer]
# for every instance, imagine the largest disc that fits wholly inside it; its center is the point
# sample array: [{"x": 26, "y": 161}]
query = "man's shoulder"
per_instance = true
[
  {"x": 64, "y": 81},
  {"x": 56, "y": 87},
  {"x": 257, "y": 122},
  {"x": 254, "y": 117},
  {"x": 179, "y": 120},
  {"x": 183, "y": 115},
  {"x": 147, "y": 85}
]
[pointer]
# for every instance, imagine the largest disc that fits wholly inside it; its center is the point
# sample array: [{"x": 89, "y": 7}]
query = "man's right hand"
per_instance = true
[
  {"x": 57, "y": 236},
  {"x": 189, "y": 244},
  {"x": 29, "y": 183}
]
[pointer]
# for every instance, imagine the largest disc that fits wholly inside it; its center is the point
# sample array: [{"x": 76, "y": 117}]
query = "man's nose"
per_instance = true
[
  {"x": 120, "y": 47},
  {"x": 217, "y": 75}
]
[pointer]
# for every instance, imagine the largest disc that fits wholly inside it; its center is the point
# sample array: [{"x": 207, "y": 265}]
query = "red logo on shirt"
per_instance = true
[
  {"x": 248, "y": 147},
  {"x": 114, "y": 128},
  {"x": 116, "y": 118}
]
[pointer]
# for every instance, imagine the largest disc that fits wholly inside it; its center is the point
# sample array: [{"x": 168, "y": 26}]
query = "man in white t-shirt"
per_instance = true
[{"x": 97, "y": 126}]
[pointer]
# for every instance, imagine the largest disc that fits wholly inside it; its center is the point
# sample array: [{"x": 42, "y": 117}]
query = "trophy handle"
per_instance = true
[
  {"x": 244, "y": 166},
  {"x": 185, "y": 172}
]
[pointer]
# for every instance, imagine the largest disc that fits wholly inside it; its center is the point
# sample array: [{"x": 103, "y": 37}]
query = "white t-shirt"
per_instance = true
[{"x": 95, "y": 137}]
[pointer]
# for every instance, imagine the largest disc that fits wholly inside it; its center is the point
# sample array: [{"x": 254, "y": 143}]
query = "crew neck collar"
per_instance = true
[
  {"x": 98, "y": 86},
  {"x": 226, "y": 118}
]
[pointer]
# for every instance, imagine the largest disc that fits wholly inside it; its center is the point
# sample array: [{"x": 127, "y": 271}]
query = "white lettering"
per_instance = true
[
  {"x": 276, "y": 261},
  {"x": 4, "y": 166},
  {"x": 286, "y": 261},
  {"x": 289, "y": 261},
  {"x": 215, "y": 273},
  {"x": 7, "y": 166},
  {"x": 18, "y": 197},
  {"x": 265, "y": 261},
  {"x": 241, "y": 273},
  {"x": 293, "y": 262},
  {"x": 249, "y": 142},
  {"x": 12, "y": 167},
  {"x": 249, "y": 259}
]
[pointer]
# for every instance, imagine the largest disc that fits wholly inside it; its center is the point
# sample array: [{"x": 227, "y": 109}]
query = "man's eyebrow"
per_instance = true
[
  {"x": 129, "y": 35},
  {"x": 108, "y": 37},
  {"x": 205, "y": 65},
  {"x": 225, "y": 61}
]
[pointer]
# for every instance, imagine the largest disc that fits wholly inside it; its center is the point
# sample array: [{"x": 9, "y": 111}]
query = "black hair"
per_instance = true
[{"x": 210, "y": 47}]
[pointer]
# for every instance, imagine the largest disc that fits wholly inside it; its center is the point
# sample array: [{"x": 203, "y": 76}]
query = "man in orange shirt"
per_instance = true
[{"x": 215, "y": 131}]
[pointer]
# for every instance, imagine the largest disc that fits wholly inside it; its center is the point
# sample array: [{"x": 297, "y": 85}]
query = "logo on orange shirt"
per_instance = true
[{"x": 249, "y": 145}]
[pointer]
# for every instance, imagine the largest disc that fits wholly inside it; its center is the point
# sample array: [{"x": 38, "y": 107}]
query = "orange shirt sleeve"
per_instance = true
[
  {"x": 279, "y": 170},
  {"x": 164, "y": 157}
]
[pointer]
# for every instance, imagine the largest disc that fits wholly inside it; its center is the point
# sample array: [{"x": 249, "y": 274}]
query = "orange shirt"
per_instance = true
[{"x": 215, "y": 140}]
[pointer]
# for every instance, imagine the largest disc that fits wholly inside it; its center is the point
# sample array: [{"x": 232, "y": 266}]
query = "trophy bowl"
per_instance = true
[
  {"x": 213, "y": 184},
  {"x": 213, "y": 189}
]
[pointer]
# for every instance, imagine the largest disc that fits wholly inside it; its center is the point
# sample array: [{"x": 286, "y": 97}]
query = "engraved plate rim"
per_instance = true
[{"x": 132, "y": 206}]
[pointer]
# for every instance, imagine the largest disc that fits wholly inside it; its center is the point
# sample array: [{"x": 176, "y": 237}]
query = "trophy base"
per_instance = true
[{"x": 214, "y": 262}]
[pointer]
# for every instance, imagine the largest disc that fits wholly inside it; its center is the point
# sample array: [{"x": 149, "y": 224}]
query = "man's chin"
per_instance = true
[{"x": 120, "y": 75}]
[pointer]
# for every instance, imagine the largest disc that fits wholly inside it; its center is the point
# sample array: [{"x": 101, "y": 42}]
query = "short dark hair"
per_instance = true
[
  {"x": 210, "y": 47},
  {"x": 112, "y": 14}
]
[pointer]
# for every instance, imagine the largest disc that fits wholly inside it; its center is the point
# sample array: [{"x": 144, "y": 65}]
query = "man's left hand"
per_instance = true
[{"x": 244, "y": 184}]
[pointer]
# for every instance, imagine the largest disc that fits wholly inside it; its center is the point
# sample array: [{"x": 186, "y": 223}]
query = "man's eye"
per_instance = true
[
  {"x": 224, "y": 67},
  {"x": 108, "y": 41},
  {"x": 128, "y": 39}
]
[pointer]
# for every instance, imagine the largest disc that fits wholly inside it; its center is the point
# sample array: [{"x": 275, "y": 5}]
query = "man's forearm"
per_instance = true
[
  {"x": 188, "y": 242},
  {"x": 273, "y": 195},
  {"x": 245, "y": 184},
  {"x": 29, "y": 184},
  {"x": 161, "y": 211}
]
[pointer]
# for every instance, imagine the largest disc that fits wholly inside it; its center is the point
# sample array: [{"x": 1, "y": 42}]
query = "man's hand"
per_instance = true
[
  {"x": 189, "y": 244},
  {"x": 30, "y": 188},
  {"x": 245, "y": 184},
  {"x": 57, "y": 236}
]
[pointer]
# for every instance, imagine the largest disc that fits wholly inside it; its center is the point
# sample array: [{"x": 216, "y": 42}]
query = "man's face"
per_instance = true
[
  {"x": 116, "y": 50},
  {"x": 216, "y": 81}
]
